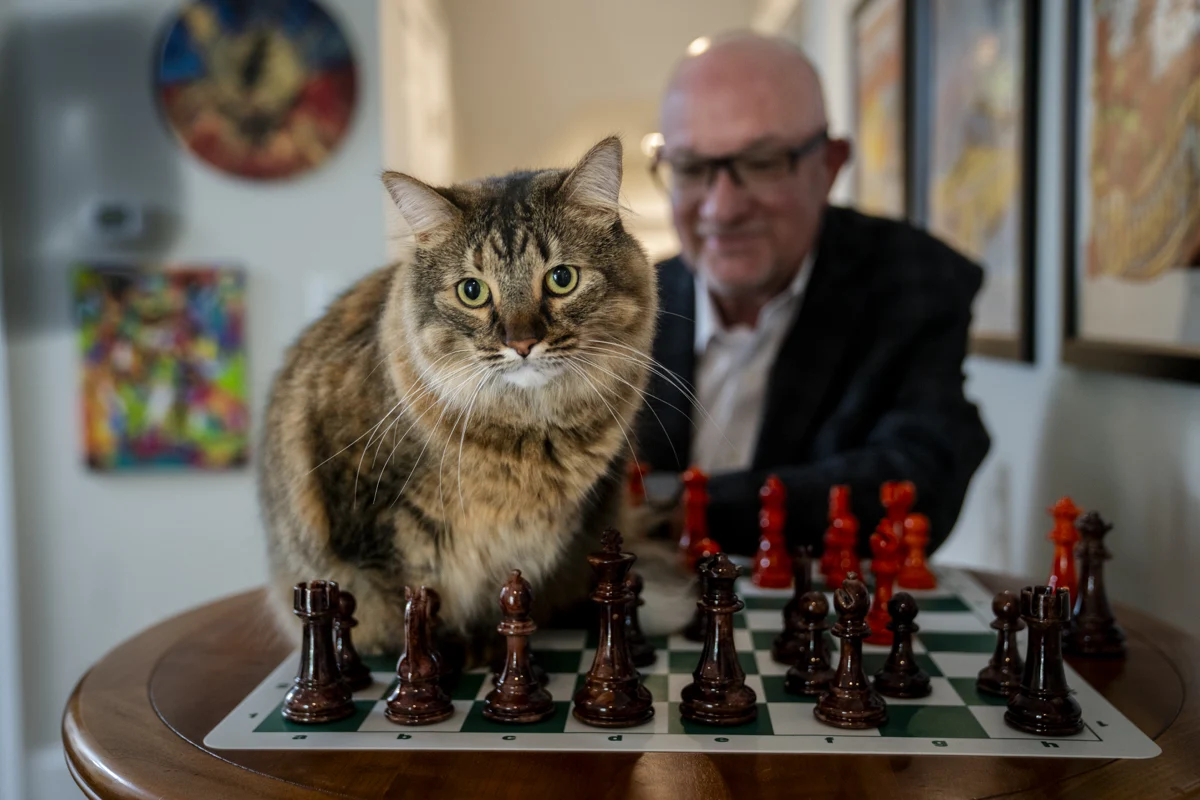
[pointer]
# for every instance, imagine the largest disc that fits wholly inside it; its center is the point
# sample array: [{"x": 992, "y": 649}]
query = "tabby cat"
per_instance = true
[{"x": 468, "y": 411}]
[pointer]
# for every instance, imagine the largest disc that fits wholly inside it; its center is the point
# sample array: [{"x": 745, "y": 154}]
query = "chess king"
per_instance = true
[{"x": 466, "y": 411}]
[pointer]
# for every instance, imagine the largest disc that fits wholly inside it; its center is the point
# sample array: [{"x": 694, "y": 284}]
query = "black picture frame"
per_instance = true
[
  {"x": 1147, "y": 360},
  {"x": 908, "y": 78},
  {"x": 1019, "y": 347}
]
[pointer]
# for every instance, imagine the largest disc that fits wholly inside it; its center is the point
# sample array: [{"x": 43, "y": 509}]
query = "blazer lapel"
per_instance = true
[
  {"x": 813, "y": 349},
  {"x": 674, "y": 350}
]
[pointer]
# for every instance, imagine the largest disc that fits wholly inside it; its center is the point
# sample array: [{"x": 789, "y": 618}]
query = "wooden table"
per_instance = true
[{"x": 135, "y": 724}]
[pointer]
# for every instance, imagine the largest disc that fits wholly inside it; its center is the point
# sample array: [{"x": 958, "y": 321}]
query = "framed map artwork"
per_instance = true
[{"x": 1132, "y": 156}]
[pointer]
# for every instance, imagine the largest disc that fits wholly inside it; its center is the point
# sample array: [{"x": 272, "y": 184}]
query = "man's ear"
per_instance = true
[
  {"x": 427, "y": 213},
  {"x": 595, "y": 182}
]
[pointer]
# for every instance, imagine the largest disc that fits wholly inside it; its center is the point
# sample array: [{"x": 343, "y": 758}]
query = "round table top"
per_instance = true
[{"x": 135, "y": 724}]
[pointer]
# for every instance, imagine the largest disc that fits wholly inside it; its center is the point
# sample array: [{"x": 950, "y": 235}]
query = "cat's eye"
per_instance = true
[
  {"x": 473, "y": 293},
  {"x": 562, "y": 279}
]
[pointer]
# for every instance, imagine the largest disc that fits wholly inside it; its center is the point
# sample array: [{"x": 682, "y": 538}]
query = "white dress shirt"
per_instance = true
[{"x": 733, "y": 366}]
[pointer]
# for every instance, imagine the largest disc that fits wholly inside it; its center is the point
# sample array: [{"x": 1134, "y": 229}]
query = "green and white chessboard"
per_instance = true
[{"x": 953, "y": 644}]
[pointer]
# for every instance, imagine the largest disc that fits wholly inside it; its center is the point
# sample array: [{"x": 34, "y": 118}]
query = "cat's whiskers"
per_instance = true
[
  {"x": 620, "y": 427},
  {"x": 641, "y": 393},
  {"x": 450, "y": 437}
]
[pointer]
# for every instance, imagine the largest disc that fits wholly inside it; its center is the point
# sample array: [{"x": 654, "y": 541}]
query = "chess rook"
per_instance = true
[
  {"x": 772, "y": 567},
  {"x": 519, "y": 696},
  {"x": 418, "y": 698},
  {"x": 354, "y": 672},
  {"x": 640, "y": 650},
  {"x": 318, "y": 693},
  {"x": 1043, "y": 704},
  {"x": 718, "y": 694},
  {"x": 901, "y": 675},
  {"x": 851, "y": 701},
  {"x": 810, "y": 673},
  {"x": 788, "y": 644},
  {"x": 1002, "y": 675},
  {"x": 694, "y": 542},
  {"x": 612, "y": 694},
  {"x": 1092, "y": 630}
]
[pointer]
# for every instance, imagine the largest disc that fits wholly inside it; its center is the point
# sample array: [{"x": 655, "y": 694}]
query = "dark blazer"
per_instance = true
[{"x": 868, "y": 386}]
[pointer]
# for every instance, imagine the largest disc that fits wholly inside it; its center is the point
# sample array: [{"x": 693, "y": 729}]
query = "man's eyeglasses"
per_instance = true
[{"x": 686, "y": 176}]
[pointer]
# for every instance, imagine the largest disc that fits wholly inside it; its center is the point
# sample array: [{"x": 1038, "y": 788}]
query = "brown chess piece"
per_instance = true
[
  {"x": 318, "y": 693},
  {"x": 518, "y": 696},
  {"x": 640, "y": 650},
  {"x": 697, "y": 625},
  {"x": 1043, "y": 704},
  {"x": 612, "y": 694},
  {"x": 851, "y": 701},
  {"x": 810, "y": 674},
  {"x": 354, "y": 672},
  {"x": 901, "y": 675},
  {"x": 418, "y": 698},
  {"x": 1002, "y": 675},
  {"x": 718, "y": 694},
  {"x": 1092, "y": 630},
  {"x": 789, "y": 644}
]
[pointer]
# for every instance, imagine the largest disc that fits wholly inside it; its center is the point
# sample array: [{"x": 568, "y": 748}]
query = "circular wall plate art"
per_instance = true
[{"x": 263, "y": 89}]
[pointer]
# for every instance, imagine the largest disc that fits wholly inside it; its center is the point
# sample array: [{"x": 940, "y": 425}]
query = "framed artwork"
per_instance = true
[
  {"x": 1132, "y": 158},
  {"x": 163, "y": 378},
  {"x": 882, "y": 111},
  {"x": 979, "y": 161},
  {"x": 263, "y": 90}
]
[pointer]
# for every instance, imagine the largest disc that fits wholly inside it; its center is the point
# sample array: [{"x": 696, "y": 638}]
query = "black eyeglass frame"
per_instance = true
[{"x": 716, "y": 164}]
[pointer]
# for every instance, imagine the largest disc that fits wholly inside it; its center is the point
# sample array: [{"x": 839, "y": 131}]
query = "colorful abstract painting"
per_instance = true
[
  {"x": 879, "y": 101},
  {"x": 163, "y": 366}
]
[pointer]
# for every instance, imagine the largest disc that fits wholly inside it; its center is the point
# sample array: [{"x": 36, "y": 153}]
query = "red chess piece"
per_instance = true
[
  {"x": 636, "y": 473},
  {"x": 915, "y": 573},
  {"x": 841, "y": 539},
  {"x": 1065, "y": 536},
  {"x": 898, "y": 498},
  {"x": 772, "y": 565},
  {"x": 885, "y": 563},
  {"x": 694, "y": 543}
]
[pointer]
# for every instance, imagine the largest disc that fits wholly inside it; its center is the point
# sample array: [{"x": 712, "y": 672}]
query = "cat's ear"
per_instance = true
[
  {"x": 595, "y": 182},
  {"x": 425, "y": 211}
]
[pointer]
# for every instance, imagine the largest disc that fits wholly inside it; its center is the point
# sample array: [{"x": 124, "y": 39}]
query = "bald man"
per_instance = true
[{"x": 822, "y": 345}]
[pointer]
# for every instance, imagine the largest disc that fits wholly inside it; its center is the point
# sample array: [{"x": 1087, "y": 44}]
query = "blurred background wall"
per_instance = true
[{"x": 450, "y": 89}]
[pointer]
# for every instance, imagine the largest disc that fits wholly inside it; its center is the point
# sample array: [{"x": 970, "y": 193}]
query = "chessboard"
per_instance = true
[{"x": 954, "y": 642}]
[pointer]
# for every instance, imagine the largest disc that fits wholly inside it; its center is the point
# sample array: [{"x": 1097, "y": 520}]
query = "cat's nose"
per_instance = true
[{"x": 523, "y": 346}]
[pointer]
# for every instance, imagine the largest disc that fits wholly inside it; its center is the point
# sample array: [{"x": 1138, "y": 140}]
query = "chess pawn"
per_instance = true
[
  {"x": 1092, "y": 630},
  {"x": 851, "y": 701},
  {"x": 354, "y": 672},
  {"x": 900, "y": 675},
  {"x": 318, "y": 693},
  {"x": 885, "y": 563},
  {"x": 1043, "y": 704},
  {"x": 640, "y": 650},
  {"x": 810, "y": 673},
  {"x": 915, "y": 574},
  {"x": 1065, "y": 537},
  {"x": 694, "y": 543},
  {"x": 718, "y": 694},
  {"x": 772, "y": 567},
  {"x": 612, "y": 694},
  {"x": 839, "y": 509},
  {"x": 418, "y": 698},
  {"x": 788, "y": 644},
  {"x": 1002, "y": 675},
  {"x": 519, "y": 696},
  {"x": 897, "y": 497}
]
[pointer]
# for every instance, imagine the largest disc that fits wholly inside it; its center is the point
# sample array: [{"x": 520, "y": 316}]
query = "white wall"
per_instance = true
[
  {"x": 103, "y": 556},
  {"x": 1126, "y": 446}
]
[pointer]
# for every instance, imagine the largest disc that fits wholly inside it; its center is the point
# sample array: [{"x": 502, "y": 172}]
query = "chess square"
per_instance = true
[
  {"x": 476, "y": 722},
  {"x": 767, "y": 665},
  {"x": 932, "y": 722},
  {"x": 276, "y": 723},
  {"x": 551, "y": 639},
  {"x": 677, "y": 642},
  {"x": 659, "y": 723},
  {"x": 774, "y": 692},
  {"x": 686, "y": 662},
  {"x": 676, "y": 682},
  {"x": 760, "y": 726},
  {"x": 796, "y": 719},
  {"x": 949, "y": 622},
  {"x": 376, "y": 722},
  {"x": 764, "y": 620},
  {"x": 942, "y": 694},
  {"x": 992, "y": 720},
  {"x": 957, "y": 642},
  {"x": 959, "y": 665},
  {"x": 972, "y": 696},
  {"x": 381, "y": 685}
]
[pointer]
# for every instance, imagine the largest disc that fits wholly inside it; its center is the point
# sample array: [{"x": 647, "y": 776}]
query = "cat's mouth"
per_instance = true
[{"x": 530, "y": 375}]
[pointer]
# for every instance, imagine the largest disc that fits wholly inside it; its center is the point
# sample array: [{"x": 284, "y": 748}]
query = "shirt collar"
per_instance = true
[{"x": 708, "y": 319}]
